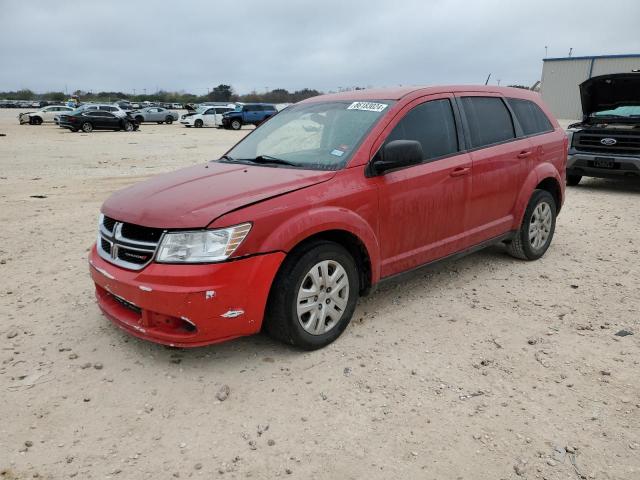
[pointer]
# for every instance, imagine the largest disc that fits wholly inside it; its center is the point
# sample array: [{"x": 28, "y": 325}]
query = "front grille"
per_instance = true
[
  {"x": 626, "y": 142},
  {"x": 127, "y": 245}
]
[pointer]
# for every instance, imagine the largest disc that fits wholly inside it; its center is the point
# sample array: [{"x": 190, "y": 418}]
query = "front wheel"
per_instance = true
[
  {"x": 538, "y": 226},
  {"x": 168, "y": 120},
  {"x": 573, "y": 180},
  {"x": 198, "y": 123},
  {"x": 87, "y": 127},
  {"x": 139, "y": 119},
  {"x": 236, "y": 124},
  {"x": 313, "y": 296},
  {"x": 128, "y": 126}
]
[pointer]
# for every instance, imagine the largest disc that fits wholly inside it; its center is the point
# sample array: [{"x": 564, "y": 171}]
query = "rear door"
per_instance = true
[
  {"x": 423, "y": 207},
  {"x": 500, "y": 162}
]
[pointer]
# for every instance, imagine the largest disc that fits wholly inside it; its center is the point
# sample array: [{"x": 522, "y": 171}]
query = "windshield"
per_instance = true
[
  {"x": 318, "y": 136},
  {"x": 628, "y": 111}
]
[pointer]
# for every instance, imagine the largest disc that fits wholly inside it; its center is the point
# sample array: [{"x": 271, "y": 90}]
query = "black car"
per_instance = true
[{"x": 90, "y": 120}]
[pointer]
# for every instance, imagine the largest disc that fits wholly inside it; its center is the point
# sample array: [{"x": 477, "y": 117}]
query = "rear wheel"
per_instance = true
[
  {"x": 198, "y": 123},
  {"x": 87, "y": 127},
  {"x": 313, "y": 296},
  {"x": 236, "y": 124},
  {"x": 573, "y": 180},
  {"x": 537, "y": 229}
]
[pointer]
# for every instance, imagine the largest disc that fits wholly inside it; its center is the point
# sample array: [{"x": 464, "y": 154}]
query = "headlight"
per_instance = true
[{"x": 201, "y": 246}]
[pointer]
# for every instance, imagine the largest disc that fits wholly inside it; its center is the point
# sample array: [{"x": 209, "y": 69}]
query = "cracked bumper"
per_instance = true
[{"x": 186, "y": 305}]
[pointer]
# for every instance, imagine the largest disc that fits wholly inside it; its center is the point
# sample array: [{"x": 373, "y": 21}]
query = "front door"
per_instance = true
[{"x": 423, "y": 207}]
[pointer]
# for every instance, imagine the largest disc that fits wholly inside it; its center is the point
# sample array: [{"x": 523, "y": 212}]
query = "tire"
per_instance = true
[
  {"x": 198, "y": 123},
  {"x": 139, "y": 119},
  {"x": 291, "y": 319},
  {"x": 573, "y": 180},
  {"x": 538, "y": 225},
  {"x": 87, "y": 127},
  {"x": 159, "y": 123},
  {"x": 128, "y": 126},
  {"x": 236, "y": 124},
  {"x": 73, "y": 129},
  {"x": 168, "y": 120},
  {"x": 35, "y": 121}
]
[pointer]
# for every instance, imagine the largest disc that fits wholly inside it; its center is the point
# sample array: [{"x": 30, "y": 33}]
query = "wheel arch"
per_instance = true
[
  {"x": 545, "y": 177},
  {"x": 354, "y": 245}
]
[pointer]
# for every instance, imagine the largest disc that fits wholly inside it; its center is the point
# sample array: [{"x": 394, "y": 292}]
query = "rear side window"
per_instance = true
[
  {"x": 489, "y": 120},
  {"x": 433, "y": 125},
  {"x": 530, "y": 116}
]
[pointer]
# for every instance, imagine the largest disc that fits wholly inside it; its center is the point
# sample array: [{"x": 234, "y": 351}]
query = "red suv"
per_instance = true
[{"x": 321, "y": 202}]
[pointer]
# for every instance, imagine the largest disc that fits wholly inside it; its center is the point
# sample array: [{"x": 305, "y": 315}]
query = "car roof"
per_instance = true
[{"x": 398, "y": 93}]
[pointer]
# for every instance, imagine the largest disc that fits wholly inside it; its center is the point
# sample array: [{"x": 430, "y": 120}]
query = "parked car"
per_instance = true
[
  {"x": 606, "y": 143},
  {"x": 44, "y": 115},
  {"x": 205, "y": 116},
  {"x": 114, "y": 109},
  {"x": 248, "y": 114},
  {"x": 155, "y": 114},
  {"x": 321, "y": 203},
  {"x": 89, "y": 120}
]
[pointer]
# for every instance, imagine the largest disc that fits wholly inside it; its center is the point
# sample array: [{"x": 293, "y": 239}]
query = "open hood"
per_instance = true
[
  {"x": 607, "y": 92},
  {"x": 195, "y": 196}
]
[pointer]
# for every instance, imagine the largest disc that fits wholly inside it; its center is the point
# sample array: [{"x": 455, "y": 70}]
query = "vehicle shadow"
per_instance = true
[
  {"x": 244, "y": 352},
  {"x": 622, "y": 185}
]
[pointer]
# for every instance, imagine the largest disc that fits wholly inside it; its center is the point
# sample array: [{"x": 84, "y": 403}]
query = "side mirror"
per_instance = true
[{"x": 397, "y": 154}]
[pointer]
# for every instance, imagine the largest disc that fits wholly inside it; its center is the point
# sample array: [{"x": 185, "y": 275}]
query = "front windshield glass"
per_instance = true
[
  {"x": 318, "y": 136},
  {"x": 202, "y": 109},
  {"x": 627, "y": 111}
]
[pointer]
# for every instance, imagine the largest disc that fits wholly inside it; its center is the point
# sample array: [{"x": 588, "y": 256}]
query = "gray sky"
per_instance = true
[{"x": 255, "y": 44}]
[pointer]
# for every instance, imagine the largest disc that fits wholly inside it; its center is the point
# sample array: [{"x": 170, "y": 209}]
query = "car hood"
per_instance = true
[
  {"x": 195, "y": 196},
  {"x": 606, "y": 92}
]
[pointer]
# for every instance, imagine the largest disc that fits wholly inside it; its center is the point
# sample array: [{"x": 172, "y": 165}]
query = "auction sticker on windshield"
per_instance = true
[{"x": 367, "y": 106}]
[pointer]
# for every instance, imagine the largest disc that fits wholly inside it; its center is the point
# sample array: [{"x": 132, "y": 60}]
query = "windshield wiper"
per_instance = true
[{"x": 268, "y": 159}]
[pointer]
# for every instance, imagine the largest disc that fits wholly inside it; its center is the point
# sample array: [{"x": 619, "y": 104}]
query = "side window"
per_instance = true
[
  {"x": 211, "y": 111},
  {"x": 530, "y": 116},
  {"x": 433, "y": 125},
  {"x": 489, "y": 120}
]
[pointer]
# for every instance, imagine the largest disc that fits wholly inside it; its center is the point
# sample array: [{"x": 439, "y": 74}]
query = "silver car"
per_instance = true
[{"x": 154, "y": 114}]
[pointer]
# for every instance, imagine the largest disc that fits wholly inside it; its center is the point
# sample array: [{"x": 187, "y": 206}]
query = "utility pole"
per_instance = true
[
  {"x": 487, "y": 80},
  {"x": 498, "y": 82},
  {"x": 570, "y": 51},
  {"x": 546, "y": 51}
]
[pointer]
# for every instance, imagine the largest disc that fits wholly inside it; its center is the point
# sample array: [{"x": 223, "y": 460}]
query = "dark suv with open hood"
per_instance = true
[{"x": 606, "y": 143}]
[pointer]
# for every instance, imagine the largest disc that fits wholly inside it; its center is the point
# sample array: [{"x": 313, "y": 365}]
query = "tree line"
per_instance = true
[{"x": 221, "y": 93}]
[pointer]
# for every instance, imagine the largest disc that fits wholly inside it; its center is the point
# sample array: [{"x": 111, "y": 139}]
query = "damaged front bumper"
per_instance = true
[{"x": 186, "y": 305}]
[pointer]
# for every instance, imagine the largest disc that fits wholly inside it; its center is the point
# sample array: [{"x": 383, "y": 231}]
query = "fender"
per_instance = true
[
  {"x": 317, "y": 220},
  {"x": 535, "y": 176}
]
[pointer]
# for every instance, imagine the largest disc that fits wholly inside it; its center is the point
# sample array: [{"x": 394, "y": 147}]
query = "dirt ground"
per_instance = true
[{"x": 482, "y": 368}]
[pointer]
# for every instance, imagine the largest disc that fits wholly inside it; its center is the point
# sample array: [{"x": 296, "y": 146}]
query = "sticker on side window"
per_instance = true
[{"x": 367, "y": 106}]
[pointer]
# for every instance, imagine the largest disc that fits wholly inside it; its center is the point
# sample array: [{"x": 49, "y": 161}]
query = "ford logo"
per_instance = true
[{"x": 608, "y": 141}]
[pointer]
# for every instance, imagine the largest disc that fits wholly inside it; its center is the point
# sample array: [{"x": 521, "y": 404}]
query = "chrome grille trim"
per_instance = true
[{"x": 119, "y": 244}]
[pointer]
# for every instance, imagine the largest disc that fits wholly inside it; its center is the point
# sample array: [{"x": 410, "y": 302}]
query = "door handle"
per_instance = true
[
  {"x": 524, "y": 154},
  {"x": 460, "y": 171}
]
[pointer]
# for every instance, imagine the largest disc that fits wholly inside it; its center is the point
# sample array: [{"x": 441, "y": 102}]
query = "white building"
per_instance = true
[{"x": 561, "y": 77}]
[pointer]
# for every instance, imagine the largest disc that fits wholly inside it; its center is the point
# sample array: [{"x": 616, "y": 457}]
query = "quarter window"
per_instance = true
[
  {"x": 433, "y": 125},
  {"x": 489, "y": 120},
  {"x": 530, "y": 116}
]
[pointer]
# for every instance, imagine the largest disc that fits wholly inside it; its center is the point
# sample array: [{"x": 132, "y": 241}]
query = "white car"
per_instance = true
[
  {"x": 44, "y": 115},
  {"x": 205, "y": 116}
]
